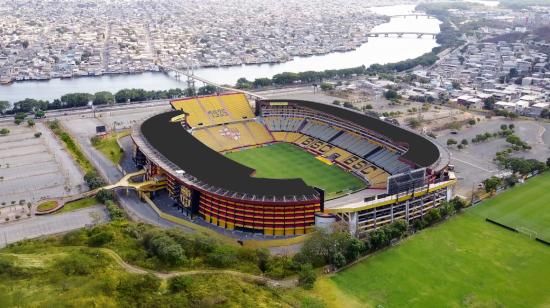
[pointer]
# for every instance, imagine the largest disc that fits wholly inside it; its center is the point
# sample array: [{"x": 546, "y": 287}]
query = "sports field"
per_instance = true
[
  {"x": 287, "y": 161},
  {"x": 463, "y": 262},
  {"x": 525, "y": 207}
]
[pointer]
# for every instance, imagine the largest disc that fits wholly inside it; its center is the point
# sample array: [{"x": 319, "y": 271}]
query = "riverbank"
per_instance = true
[{"x": 380, "y": 50}]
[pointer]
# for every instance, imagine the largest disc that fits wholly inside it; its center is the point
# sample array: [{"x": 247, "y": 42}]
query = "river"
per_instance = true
[{"x": 377, "y": 50}]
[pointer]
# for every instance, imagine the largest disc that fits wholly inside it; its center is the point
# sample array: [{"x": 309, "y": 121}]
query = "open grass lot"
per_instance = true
[
  {"x": 78, "y": 204},
  {"x": 287, "y": 161},
  {"x": 526, "y": 206},
  {"x": 463, "y": 262},
  {"x": 109, "y": 147}
]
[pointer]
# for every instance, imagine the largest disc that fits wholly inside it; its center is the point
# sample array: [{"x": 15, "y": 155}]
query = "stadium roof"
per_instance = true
[
  {"x": 422, "y": 151},
  {"x": 209, "y": 166}
]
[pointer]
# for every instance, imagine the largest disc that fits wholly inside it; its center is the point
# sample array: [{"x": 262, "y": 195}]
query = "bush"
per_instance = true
[
  {"x": 138, "y": 290},
  {"x": 11, "y": 270},
  {"x": 93, "y": 180},
  {"x": 100, "y": 239},
  {"x": 432, "y": 216},
  {"x": 165, "y": 248},
  {"x": 74, "y": 238},
  {"x": 306, "y": 276},
  {"x": 221, "y": 257},
  {"x": 37, "y": 135},
  {"x": 104, "y": 195},
  {"x": 81, "y": 264},
  {"x": 115, "y": 212},
  {"x": 179, "y": 284}
]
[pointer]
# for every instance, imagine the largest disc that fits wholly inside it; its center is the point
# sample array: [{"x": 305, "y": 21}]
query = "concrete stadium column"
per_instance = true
[
  {"x": 352, "y": 223},
  {"x": 449, "y": 193}
]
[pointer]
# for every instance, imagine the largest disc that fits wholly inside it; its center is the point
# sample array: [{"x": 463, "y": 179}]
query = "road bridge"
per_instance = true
[
  {"x": 414, "y": 15},
  {"x": 191, "y": 75},
  {"x": 401, "y": 34}
]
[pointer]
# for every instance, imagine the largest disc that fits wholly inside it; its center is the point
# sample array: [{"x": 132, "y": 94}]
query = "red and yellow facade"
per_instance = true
[
  {"x": 273, "y": 218},
  {"x": 269, "y": 218}
]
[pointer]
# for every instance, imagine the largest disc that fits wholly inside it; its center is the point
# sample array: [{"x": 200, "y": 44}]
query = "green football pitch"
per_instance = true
[
  {"x": 287, "y": 161},
  {"x": 465, "y": 261},
  {"x": 526, "y": 207}
]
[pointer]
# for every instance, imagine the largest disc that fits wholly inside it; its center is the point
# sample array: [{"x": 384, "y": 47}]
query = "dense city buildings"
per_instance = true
[{"x": 51, "y": 39}]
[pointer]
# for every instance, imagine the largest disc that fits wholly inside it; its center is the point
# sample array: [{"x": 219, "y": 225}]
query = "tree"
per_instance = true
[
  {"x": 37, "y": 134},
  {"x": 326, "y": 86},
  {"x": 76, "y": 99},
  {"x": 391, "y": 94},
  {"x": 104, "y": 195},
  {"x": 456, "y": 85},
  {"x": 451, "y": 142},
  {"x": 472, "y": 122},
  {"x": 39, "y": 114},
  {"x": 243, "y": 83},
  {"x": 262, "y": 82},
  {"x": 464, "y": 142},
  {"x": 103, "y": 98},
  {"x": 164, "y": 247},
  {"x": 491, "y": 184},
  {"x": 93, "y": 180},
  {"x": 4, "y": 105},
  {"x": 489, "y": 103},
  {"x": 306, "y": 276},
  {"x": 30, "y": 122},
  {"x": 4, "y": 131},
  {"x": 207, "y": 90}
]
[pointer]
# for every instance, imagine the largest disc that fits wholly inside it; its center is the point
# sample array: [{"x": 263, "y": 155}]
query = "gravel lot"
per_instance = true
[
  {"x": 52, "y": 224},
  {"x": 34, "y": 168},
  {"x": 475, "y": 162}
]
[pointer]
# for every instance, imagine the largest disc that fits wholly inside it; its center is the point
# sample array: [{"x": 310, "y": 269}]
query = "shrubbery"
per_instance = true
[
  {"x": 164, "y": 247},
  {"x": 93, "y": 180}
]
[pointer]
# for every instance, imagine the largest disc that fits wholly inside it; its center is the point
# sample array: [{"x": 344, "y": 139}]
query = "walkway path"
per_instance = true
[{"x": 287, "y": 283}]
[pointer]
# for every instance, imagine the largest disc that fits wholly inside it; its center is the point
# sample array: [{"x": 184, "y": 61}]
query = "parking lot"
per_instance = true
[
  {"x": 34, "y": 168},
  {"x": 475, "y": 163},
  {"x": 122, "y": 119}
]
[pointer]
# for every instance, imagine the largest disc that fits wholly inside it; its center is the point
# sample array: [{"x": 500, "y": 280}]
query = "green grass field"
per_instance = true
[
  {"x": 463, "y": 262},
  {"x": 77, "y": 205},
  {"x": 109, "y": 146},
  {"x": 526, "y": 206},
  {"x": 287, "y": 161}
]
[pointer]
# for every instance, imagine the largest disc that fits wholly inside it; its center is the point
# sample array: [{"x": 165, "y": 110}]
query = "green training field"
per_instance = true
[
  {"x": 525, "y": 207},
  {"x": 464, "y": 262},
  {"x": 287, "y": 161}
]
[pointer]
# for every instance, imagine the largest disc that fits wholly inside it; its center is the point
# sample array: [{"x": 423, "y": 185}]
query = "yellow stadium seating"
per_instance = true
[
  {"x": 279, "y": 136},
  {"x": 293, "y": 137},
  {"x": 237, "y": 105},
  {"x": 259, "y": 132},
  {"x": 233, "y": 135},
  {"x": 214, "y": 110}
]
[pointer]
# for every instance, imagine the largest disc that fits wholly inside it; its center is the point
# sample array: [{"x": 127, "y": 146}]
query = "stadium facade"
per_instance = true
[{"x": 405, "y": 173}]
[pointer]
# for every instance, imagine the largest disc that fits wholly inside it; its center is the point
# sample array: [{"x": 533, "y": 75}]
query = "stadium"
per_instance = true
[{"x": 287, "y": 166}]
